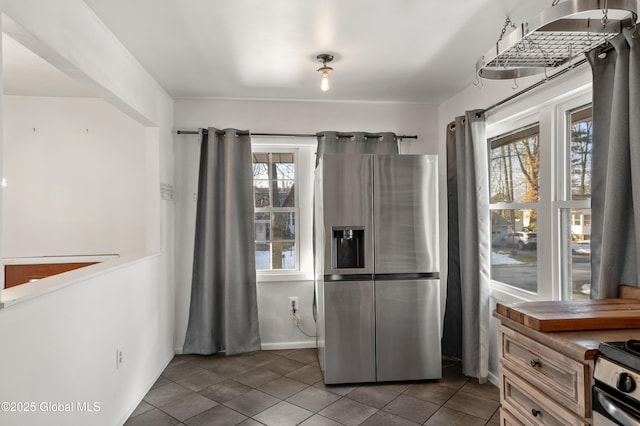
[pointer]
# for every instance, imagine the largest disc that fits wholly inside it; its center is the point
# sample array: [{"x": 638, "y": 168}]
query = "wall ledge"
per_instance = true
[{"x": 25, "y": 292}]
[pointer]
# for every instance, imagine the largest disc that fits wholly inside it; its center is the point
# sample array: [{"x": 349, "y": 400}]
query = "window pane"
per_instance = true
[
  {"x": 283, "y": 166},
  {"x": 576, "y": 253},
  {"x": 262, "y": 256},
  {"x": 514, "y": 167},
  {"x": 263, "y": 226},
  {"x": 284, "y": 255},
  {"x": 514, "y": 256},
  {"x": 284, "y": 226},
  {"x": 283, "y": 193},
  {"x": 260, "y": 166},
  {"x": 261, "y": 193},
  {"x": 581, "y": 150}
]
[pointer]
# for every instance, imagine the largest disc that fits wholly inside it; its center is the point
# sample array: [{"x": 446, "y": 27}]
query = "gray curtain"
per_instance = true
[
  {"x": 466, "y": 319},
  {"x": 615, "y": 225},
  {"x": 223, "y": 315},
  {"x": 356, "y": 143}
]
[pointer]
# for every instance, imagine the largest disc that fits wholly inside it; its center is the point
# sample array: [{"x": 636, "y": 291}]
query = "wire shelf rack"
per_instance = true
[{"x": 554, "y": 38}]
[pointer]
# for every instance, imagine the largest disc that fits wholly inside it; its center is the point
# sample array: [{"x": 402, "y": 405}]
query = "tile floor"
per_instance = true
[{"x": 285, "y": 387}]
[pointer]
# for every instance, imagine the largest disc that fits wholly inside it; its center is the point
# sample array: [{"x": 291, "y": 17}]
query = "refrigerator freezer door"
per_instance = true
[
  {"x": 406, "y": 214},
  {"x": 349, "y": 355},
  {"x": 347, "y": 199},
  {"x": 408, "y": 330}
]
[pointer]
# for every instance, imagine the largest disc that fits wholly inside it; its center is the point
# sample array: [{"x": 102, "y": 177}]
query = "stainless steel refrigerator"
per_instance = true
[{"x": 376, "y": 270}]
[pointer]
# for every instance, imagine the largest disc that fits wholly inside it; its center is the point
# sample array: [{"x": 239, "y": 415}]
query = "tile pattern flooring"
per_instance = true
[{"x": 285, "y": 387}]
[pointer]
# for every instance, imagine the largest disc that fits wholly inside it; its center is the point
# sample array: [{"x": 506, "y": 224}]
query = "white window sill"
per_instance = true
[
  {"x": 265, "y": 277},
  {"x": 501, "y": 290}
]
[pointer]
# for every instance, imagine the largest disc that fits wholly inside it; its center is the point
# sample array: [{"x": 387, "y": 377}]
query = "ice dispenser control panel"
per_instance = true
[{"x": 348, "y": 247}]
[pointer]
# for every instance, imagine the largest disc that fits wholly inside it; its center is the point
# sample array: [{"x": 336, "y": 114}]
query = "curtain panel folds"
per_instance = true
[
  {"x": 356, "y": 143},
  {"x": 223, "y": 314},
  {"x": 466, "y": 320},
  {"x": 615, "y": 226}
]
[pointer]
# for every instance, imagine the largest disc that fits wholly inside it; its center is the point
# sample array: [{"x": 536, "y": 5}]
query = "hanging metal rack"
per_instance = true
[{"x": 555, "y": 37}]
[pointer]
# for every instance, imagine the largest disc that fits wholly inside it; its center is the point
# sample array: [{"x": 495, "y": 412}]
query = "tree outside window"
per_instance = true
[{"x": 581, "y": 149}]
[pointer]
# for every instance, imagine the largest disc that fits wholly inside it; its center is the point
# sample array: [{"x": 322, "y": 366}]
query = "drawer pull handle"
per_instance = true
[
  {"x": 535, "y": 412},
  {"x": 535, "y": 363}
]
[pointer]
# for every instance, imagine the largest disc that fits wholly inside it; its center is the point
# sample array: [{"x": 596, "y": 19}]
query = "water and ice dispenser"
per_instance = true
[{"x": 348, "y": 247}]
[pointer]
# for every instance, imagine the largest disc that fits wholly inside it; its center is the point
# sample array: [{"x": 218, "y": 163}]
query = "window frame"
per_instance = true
[
  {"x": 551, "y": 114},
  {"x": 303, "y": 150},
  {"x": 271, "y": 209}
]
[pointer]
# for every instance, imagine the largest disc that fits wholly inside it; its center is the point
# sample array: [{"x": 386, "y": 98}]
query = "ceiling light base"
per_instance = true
[{"x": 324, "y": 58}]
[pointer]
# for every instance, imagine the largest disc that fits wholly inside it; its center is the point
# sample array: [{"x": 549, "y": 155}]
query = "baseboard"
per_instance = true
[
  {"x": 493, "y": 379},
  {"x": 287, "y": 345},
  {"x": 273, "y": 346}
]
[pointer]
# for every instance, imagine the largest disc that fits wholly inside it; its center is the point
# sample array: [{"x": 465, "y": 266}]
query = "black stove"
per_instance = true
[{"x": 616, "y": 391}]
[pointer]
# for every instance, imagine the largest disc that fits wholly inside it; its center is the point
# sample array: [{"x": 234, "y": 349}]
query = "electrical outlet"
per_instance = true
[
  {"x": 293, "y": 304},
  {"x": 119, "y": 357}
]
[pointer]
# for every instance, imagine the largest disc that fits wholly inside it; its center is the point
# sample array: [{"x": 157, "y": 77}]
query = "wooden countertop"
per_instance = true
[{"x": 574, "y": 315}]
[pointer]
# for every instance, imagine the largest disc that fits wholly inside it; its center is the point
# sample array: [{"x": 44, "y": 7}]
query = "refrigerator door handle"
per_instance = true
[{"x": 407, "y": 276}]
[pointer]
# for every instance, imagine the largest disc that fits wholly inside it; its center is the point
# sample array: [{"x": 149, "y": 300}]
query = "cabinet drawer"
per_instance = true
[
  {"x": 531, "y": 406},
  {"x": 507, "y": 419},
  {"x": 562, "y": 379}
]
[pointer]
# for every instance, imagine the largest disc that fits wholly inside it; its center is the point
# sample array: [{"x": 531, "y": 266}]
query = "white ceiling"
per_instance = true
[{"x": 386, "y": 50}]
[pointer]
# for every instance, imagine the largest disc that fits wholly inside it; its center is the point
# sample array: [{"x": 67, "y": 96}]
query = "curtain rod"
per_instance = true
[
  {"x": 533, "y": 86},
  {"x": 292, "y": 135}
]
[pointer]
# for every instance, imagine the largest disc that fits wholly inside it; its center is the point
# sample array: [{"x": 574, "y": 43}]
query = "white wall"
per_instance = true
[
  {"x": 276, "y": 328},
  {"x": 76, "y": 173},
  {"x": 62, "y": 347},
  {"x": 60, "y": 344}
]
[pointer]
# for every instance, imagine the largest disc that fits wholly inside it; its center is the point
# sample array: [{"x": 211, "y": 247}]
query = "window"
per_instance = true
[
  {"x": 575, "y": 199},
  {"x": 577, "y": 220},
  {"x": 514, "y": 170},
  {"x": 276, "y": 210},
  {"x": 283, "y": 195},
  {"x": 540, "y": 184}
]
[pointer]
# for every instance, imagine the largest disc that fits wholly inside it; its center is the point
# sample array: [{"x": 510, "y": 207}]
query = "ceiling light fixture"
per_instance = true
[{"x": 324, "y": 70}]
